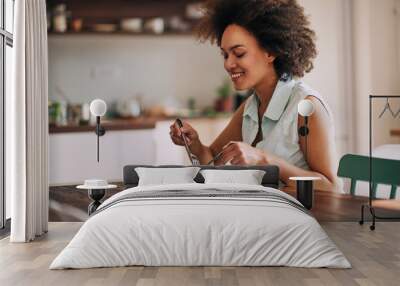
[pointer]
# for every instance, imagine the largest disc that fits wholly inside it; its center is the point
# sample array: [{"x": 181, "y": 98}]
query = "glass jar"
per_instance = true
[{"x": 60, "y": 18}]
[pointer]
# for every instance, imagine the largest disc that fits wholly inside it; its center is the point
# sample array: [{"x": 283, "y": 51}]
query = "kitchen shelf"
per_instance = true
[
  {"x": 395, "y": 132},
  {"x": 112, "y": 9},
  {"x": 142, "y": 122},
  {"x": 94, "y": 12},
  {"x": 109, "y": 125},
  {"x": 118, "y": 33}
]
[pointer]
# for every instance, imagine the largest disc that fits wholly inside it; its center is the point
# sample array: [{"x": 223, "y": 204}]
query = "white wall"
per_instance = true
[
  {"x": 385, "y": 72},
  {"x": 376, "y": 64},
  {"x": 359, "y": 54},
  {"x": 112, "y": 66},
  {"x": 330, "y": 73}
]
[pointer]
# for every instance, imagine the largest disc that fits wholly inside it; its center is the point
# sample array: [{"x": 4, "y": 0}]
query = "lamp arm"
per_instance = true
[
  {"x": 100, "y": 131},
  {"x": 303, "y": 131},
  {"x": 307, "y": 131},
  {"x": 98, "y": 136}
]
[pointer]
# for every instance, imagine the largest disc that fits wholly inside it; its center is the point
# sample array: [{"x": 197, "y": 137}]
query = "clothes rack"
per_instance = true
[{"x": 369, "y": 205}]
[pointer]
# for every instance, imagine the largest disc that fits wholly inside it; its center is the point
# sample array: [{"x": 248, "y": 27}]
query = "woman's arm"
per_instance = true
[
  {"x": 232, "y": 132},
  {"x": 322, "y": 158},
  {"x": 321, "y": 152}
]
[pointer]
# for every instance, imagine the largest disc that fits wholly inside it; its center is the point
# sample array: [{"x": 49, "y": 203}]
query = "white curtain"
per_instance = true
[{"x": 28, "y": 123}]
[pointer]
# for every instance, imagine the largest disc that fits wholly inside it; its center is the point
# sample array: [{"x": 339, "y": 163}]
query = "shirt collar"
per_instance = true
[
  {"x": 251, "y": 108},
  {"x": 280, "y": 99},
  {"x": 276, "y": 106}
]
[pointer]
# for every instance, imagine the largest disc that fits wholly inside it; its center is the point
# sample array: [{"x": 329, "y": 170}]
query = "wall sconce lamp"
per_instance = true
[
  {"x": 305, "y": 109},
  {"x": 98, "y": 108},
  {"x": 304, "y": 185}
]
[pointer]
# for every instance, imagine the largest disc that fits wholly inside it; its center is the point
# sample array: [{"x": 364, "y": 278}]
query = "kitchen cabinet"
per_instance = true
[{"x": 73, "y": 154}]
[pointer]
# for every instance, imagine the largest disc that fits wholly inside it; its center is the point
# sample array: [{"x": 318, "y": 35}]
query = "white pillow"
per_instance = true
[
  {"x": 249, "y": 177},
  {"x": 163, "y": 176}
]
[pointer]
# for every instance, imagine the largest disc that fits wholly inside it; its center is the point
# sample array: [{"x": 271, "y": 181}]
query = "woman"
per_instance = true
[{"x": 267, "y": 46}]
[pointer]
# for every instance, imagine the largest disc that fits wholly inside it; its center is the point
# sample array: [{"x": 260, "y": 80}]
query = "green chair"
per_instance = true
[{"x": 384, "y": 171}]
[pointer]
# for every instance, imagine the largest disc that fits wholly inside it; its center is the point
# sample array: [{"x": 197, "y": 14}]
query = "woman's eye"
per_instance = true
[
  {"x": 240, "y": 55},
  {"x": 224, "y": 55}
]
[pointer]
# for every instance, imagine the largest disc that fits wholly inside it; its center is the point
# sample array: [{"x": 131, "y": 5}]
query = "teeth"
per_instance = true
[{"x": 236, "y": 75}]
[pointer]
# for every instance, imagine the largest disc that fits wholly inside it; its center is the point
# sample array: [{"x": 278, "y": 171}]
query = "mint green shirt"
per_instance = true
[{"x": 279, "y": 122}]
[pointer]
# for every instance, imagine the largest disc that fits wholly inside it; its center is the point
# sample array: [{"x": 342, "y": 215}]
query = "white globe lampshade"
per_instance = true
[
  {"x": 305, "y": 107},
  {"x": 98, "y": 107}
]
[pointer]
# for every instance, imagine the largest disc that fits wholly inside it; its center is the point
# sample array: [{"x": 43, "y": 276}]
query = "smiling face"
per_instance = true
[{"x": 247, "y": 63}]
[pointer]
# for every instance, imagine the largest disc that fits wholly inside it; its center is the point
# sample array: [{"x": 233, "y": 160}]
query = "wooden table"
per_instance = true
[
  {"x": 329, "y": 206},
  {"x": 67, "y": 202}
]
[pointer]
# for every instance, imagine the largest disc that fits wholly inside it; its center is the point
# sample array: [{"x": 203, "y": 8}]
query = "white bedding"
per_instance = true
[{"x": 224, "y": 231}]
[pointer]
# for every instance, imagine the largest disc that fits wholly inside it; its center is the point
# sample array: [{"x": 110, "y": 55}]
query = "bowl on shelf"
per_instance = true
[
  {"x": 154, "y": 25},
  {"x": 133, "y": 25}
]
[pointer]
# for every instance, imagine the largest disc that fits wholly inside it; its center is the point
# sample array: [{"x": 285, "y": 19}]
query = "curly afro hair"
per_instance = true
[{"x": 280, "y": 27}]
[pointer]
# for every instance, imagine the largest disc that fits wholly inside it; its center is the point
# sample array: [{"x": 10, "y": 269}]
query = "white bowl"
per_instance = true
[
  {"x": 132, "y": 25},
  {"x": 155, "y": 25},
  {"x": 96, "y": 183}
]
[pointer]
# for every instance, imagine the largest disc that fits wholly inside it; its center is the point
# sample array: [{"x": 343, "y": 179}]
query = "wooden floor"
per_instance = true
[{"x": 374, "y": 255}]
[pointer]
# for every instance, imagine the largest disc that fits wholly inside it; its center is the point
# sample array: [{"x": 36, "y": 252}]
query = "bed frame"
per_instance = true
[{"x": 270, "y": 179}]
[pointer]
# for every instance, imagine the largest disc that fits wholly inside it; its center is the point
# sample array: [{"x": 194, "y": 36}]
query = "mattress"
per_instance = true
[{"x": 201, "y": 225}]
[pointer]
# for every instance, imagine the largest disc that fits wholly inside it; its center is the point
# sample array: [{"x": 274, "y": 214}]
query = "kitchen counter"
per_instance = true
[
  {"x": 126, "y": 124},
  {"x": 395, "y": 132},
  {"x": 115, "y": 124}
]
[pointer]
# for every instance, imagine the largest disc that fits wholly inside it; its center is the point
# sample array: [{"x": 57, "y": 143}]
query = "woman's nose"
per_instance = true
[{"x": 229, "y": 63}]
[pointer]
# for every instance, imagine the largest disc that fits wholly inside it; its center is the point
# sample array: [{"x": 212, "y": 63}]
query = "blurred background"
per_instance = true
[{"x": 142, "y": 58}]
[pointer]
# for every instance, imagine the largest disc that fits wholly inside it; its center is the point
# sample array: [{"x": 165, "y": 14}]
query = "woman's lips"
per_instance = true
[{"x": 235, "y": 76}]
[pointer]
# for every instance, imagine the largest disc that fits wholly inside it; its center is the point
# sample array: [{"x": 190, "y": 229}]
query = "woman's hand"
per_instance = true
[
  {"x": 191, "y": 135},
  {"x": 239, "y": 153}
]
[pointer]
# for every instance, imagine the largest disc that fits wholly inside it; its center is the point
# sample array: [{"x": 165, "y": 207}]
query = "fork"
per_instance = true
[{"x": 193, "y": 158}]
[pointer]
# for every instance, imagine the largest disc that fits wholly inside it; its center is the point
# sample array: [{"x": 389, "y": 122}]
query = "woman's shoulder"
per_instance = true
[{"x": 301, "y": 89}]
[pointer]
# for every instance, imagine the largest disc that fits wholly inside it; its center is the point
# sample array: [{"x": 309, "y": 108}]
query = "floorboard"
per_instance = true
[{"x": 374, "y": 255}]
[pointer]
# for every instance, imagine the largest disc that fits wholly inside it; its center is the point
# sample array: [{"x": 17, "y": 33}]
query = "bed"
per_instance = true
[{"x": 201, "y": 224}]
